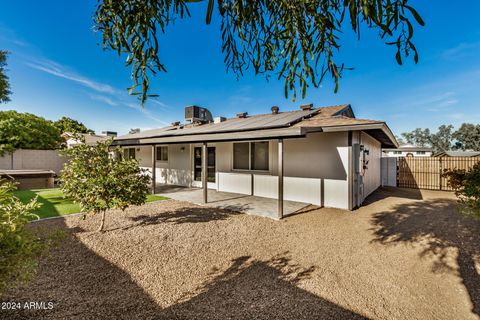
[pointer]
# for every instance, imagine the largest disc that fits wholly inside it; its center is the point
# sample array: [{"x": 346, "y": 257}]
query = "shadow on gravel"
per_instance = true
[
  {"x": 437, "y": 223},
  {"x": 257, "y": 290},
  {"x": 185, "y": 215},
  {"x": 388, "y": 192},
  {"x": 83, "y": 285}
]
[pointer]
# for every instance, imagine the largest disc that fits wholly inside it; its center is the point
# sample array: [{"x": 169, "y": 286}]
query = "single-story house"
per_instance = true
[
  {"x": 468, "y": 153},
  {"x": 73, "y": 140},
  {"x": 408, "y": 150},
  {"x": 322, "y": 156}
]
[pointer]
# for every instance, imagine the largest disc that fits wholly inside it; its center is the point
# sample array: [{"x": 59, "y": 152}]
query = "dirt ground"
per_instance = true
[{"x": 404, "y": 255}]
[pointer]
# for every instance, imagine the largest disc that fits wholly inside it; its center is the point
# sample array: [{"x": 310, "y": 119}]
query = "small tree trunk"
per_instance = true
[{"x": 102, "y": 222}]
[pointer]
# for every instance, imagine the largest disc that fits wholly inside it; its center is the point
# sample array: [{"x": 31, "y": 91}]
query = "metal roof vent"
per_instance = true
[
  {"x": 196, "y": 114},
  {"x": 242, "y": 115},
  {"x": 275, "y": 110},
  {"x": 219, "y": 119},
  {"x": 305, "y": 107}
]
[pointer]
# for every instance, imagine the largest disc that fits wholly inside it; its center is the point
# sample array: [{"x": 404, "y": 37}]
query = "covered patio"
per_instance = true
[{"x": 248, "y": 204}]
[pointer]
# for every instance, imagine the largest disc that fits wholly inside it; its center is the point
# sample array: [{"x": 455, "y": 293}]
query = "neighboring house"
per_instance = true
[
  {"x": 458, "y": 154},
  {"x": 322, "y": 156},
  {"x": 89, "y": 139},
  {"x": 408, "y": 150}
]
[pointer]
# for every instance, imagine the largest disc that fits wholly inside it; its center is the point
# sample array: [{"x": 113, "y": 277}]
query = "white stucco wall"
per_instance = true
[
  {"x": 366, "y": 179},
  {"x": 177, "y": 170},
  {"x": 315, "y": 170},
  {"x": 372, "y": 174}
]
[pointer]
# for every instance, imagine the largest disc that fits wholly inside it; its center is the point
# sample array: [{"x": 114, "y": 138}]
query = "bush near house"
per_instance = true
[
  {"x": 19, "y": 248},
  {"x": 466, "y": 184},
  {"x": 98, "y": 181}
]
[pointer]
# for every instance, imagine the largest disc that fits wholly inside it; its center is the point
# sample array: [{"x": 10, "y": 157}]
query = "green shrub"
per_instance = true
[
  {"x": 98, "y": 181},
  {"x": 466, "y": 184},
  {"x": 19, "y": 247}
]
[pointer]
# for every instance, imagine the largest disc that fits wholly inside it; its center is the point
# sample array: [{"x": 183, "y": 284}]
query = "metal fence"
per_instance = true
[{"x": 426, "y": 172}]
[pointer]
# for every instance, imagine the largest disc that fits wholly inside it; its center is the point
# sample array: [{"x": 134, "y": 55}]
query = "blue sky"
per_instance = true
[{"x": 58, "y": 69}]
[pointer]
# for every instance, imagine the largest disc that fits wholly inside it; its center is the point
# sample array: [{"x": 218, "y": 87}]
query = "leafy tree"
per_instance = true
[
  {"x": 134, "y": 130},
  {"x": 419, "y": 137},
  {"x": 400, "y": 140},
  {"x": 97, "y": 181},
  {"x": 443, "y": 139},
  {"x": 27, "y": 131},
  {"x": 19, "y": 248},
  {"x": 466, "y": 184},
  {"x": 66, "y": 124},
  {"x": 4, "y": 83},
  {"x": 468, "y": 137},
  {"x": 295, "y": 40}
]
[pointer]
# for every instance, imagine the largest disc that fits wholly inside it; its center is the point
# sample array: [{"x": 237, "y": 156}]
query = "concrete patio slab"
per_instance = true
[{"x": 259, "y": 206}]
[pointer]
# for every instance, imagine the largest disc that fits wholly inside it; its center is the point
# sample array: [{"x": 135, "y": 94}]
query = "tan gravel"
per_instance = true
[{"x": 396, "y": 258}]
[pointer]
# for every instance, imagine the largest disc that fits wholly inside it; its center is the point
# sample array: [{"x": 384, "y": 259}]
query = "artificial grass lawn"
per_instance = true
[{"x": 54, "y": 204}]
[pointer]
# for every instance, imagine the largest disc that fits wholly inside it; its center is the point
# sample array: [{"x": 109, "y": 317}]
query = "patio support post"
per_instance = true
[
  {"x": 204, "y": 172},
  {"x": 154, "y": 168},
  {"x": 280, "y": 178}
]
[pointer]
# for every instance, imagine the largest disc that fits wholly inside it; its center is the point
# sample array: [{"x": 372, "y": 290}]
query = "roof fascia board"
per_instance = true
[{"x": 218, "y": 137}]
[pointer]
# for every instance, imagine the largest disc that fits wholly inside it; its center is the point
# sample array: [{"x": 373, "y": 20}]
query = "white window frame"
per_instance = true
[
  {"x": 250, "y": 157},
  {"x": 129, "y": 148},
  {"x": 158, "y": 153}
]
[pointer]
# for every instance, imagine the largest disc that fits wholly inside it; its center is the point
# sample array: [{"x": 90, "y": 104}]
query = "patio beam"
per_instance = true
[
  {"x": 154, "y": 168},
  {"x": 204, "y": 173},
  {"x": 280, "y": 179}
]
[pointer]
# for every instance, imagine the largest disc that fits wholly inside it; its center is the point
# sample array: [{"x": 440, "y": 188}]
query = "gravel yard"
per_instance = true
[{"x": 397, "y": 257}]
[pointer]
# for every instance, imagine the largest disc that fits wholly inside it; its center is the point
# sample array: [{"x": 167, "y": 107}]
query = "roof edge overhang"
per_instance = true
[
  {"x": 387, "y": 138},
  {"x": 292, "y": 132}
]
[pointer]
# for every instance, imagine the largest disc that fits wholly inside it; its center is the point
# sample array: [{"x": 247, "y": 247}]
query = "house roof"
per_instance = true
[
  {"x": 458, "y": 154},
  {"x": 284, "y": 124},
  {"x": 410, "y": 148},
  {"x": 89, "y": 139}
]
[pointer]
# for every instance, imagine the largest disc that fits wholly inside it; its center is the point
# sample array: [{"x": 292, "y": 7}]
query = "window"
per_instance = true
[
  {"x": 259, "y": 155},
  {"x": 397, "y": 152},
  {"x": 420, "y": 152},
  {"x": 250, "y": 156},
  {"x": 241, "y": 156},
  {"x": 198, "y": 164},
  {"x": 162, "y": 153},
  {"x": 129, "y": 153}
]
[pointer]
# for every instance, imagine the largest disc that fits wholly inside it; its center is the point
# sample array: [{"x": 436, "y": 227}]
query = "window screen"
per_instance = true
[
  {"x": 259, "y": 155},
  {"x": 162, "y": 153},
  {"x": 250, "y": 156},
  {"x": 241, "y": 156},
  {"x": 129, "y": 153}
]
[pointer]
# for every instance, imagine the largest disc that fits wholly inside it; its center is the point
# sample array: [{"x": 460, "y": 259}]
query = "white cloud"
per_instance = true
[
  {"x": 103, "y": 99},
  {"x": 60, "y": 71},
  {"x": 461, "y": 50}
]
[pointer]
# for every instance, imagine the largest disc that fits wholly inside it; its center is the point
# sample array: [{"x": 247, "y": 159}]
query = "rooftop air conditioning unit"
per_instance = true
[{"x": 196, "y": 114}]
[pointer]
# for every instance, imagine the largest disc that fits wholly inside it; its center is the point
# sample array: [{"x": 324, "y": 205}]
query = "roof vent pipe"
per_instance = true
[
  {"x": 305, "y": 107},
  {"x": 242, "y": 115},
  {"x": 275, "y": 110}
]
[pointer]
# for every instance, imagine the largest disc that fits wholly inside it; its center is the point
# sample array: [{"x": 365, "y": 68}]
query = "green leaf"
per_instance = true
[
  {"x": 398, "y": 56},
  {"x": 210, "y": 11},
  {"x": 416, "y": 15}
]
